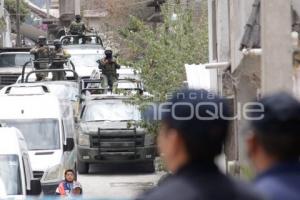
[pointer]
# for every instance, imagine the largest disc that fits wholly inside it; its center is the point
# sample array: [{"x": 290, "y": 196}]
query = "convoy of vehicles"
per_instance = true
[
  {"x": 62, "y": 126},
  {"x": 15, "y": 168}
]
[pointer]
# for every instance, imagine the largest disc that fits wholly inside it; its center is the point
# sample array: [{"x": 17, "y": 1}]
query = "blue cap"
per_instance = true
[{"x": 281, "y": 115}]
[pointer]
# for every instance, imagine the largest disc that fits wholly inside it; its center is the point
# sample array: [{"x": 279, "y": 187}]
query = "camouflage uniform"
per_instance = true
[
  {"x": 63, "y": 55},
  {"x": 77, "y": 28},
  {"x": 40, "y": 53},
  {"x": 109, "y": 69}
]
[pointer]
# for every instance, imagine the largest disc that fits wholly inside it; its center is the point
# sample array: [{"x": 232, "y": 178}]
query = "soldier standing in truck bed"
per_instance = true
[
  {"x": 109, "y": 67},
  {"x": 77, "y": 28},
  {"x": 41, "y": 54},
  {"x": 60, "y": 56}
]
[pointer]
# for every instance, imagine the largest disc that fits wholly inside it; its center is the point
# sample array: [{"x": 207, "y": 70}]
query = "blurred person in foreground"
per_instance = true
[
  {"x": 274, "y": 147},
  {"x": 189, "y": 144}
]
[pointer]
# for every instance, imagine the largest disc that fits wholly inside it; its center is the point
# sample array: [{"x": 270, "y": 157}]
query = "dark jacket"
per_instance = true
[
  {"x": 200, "y": 182},
  {"x": 280, "y": 182}
]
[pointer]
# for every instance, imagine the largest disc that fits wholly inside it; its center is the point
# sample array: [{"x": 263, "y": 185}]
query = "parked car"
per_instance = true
[{"x": 16, "y": 177}]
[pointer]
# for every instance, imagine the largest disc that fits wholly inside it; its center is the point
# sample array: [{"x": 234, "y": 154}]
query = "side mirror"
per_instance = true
[
  {"x": 36, "y": 187},
  {"x": 70, "y": 144}
]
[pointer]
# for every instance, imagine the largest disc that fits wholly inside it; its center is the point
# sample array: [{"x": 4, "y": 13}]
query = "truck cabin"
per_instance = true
[{"x": 11, "y": 62}]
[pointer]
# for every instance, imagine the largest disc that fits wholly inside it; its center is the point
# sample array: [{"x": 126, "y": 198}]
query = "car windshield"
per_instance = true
[
  {"x": 14, "y": 60},
  {"x": 10, "y": 174},
  {"x": 40, "y": 134},
  {"x": 108, "y": 110},
  {"x": 85, "y": 60}
]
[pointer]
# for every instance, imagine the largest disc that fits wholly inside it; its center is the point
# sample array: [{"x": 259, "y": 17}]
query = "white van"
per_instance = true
[
  {"x": 16, "y": 178},
  {"x": 48, "y": 128}
]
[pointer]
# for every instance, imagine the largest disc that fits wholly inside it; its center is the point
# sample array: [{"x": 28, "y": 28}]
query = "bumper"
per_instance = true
[
  {"x": 95, "y": 155},
  {"x": 50, "y": 188}
]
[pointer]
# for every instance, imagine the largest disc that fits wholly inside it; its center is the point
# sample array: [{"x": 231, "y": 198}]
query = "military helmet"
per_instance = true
[
  {"x": 57, "y": 43},
  {"x": 77, "y": 17},
  {"x": 42, "y": 40},
  {"x": 108, "y": 51}
]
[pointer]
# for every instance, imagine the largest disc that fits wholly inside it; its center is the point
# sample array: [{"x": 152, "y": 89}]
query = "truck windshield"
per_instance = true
[
  {"x": 14, "y": 60},
  {"x": 40, "y": 134},
  {"x": 10, "y": 174},
  {"x": 107, "y": 110},
  {"x": 85, "y": 60}
]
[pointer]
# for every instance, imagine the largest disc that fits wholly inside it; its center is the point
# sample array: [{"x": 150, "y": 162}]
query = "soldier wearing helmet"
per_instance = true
[
  {"x": 41, "y": 53},
  {"x": 77, "y": 28},
  {"x": 109, "y": 67},
  {"x": 60, "y": 56}
]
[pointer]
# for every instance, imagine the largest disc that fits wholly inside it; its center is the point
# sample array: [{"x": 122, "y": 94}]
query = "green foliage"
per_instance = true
[
  {"x": 11, "y": 7},
  {"x": 159, "y": 53}
]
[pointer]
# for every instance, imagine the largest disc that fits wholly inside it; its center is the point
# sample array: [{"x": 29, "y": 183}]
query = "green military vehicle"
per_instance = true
[{"x": 107, "y": 134}]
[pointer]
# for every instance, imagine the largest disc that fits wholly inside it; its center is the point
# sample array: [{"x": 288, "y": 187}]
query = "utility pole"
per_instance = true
[
  {"x": 77, "y": 7},
  {"x": 48, "y": 16},
  {"x": 277, "y": 64},
  {"x": 18, "y": 23}
]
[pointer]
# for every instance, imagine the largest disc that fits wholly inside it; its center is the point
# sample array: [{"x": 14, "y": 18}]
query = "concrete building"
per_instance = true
[{"x": 246, "y": 74}]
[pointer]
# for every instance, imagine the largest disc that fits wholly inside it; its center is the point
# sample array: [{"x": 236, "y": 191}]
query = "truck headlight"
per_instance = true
[
  {"x": 149, "y": 140},
  {"x": 54, "y": 173},
  {"x": 84, "y": 140}
]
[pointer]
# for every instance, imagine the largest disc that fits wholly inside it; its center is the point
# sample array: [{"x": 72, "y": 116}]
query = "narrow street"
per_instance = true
[{"x": 109, "y": 184}]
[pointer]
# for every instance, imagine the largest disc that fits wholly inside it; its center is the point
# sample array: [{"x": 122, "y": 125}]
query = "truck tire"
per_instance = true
[
  {"x": 148, "y": 167},
  {"x": 83, "y": 168}
]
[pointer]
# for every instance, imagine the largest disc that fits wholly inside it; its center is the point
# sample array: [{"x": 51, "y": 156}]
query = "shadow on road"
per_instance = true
[{"x": 117, "y": 169}]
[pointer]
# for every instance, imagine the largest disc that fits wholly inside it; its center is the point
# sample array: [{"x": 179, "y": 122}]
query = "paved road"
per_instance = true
[{"x": 124, "y": 182}]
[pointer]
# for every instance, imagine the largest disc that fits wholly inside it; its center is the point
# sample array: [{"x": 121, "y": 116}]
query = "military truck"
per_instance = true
[
  {"x": 85, "y": 53},
  {"x": 11, "y": 63},
  {"x": 109, "y": 133}
]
